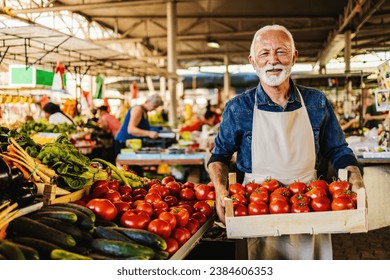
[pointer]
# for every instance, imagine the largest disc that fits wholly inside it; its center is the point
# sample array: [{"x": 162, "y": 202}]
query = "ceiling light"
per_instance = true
[{"x": 212, "y": 43}]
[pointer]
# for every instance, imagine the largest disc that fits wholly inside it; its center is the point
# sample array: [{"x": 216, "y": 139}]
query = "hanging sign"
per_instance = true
[{"x": 382, "y": 99}]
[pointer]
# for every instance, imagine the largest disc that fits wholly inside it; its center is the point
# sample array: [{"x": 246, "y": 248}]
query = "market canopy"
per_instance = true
[{"x": 140, "y": 31}]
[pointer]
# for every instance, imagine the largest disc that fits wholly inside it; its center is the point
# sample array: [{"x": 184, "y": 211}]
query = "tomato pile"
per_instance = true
[
  {"x": 271, "y": 197},
  {"x": 171, "y": 209}
]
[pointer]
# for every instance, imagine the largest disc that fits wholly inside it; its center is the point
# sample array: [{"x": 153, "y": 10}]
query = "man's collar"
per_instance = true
[{"x": 263, "y": 98}]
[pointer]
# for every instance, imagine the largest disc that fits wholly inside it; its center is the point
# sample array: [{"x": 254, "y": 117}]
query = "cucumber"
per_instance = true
[
  {"x": 61, "y": 254},
  {"x": 160, "y": 255},
  {"x": 25, "y": 226},
  {"x": 104, "y": 223},
  {"x": 80, "y": 208},
  {"x": 84, "y": 221},
  {"x": 109, "y": 233},
  {"x": 81, "y": 236},
  {"x": 143, "y": 237},
  {"x": 11, "y": 251},
  {"x": 28, "y": 252},
  {"x": 120, "y": 249},
  {"x": 44, "y": 248},
  {"x": 67, "y": 216}
]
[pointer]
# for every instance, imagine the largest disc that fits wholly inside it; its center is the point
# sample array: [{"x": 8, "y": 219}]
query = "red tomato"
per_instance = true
[
  {"x": 124, "y": 189},
  {"x": 271, "y": 184},
  {"x": 259, "y": 194},
  {"x": 258, "y": 208},
  {"x": 100, "y": 189},
  {"x": 250, "y": 187},
  {"x": 286, "y": 192},
  {"x": 342, "y": 203},
  {"x": 276, "y": 196},
  {"x": 172, "y": 245},
  {"x": 279, "y": 207},
  {"x": 113, "y": 195},
  {"x": 200, "y": 217},
  {"x": 122, "y": 206},
  {"x": 298, "y": 187},
  {"x": 339, "y": 185},
  {"x": 316, "y": 192},
  {"x": 236, "y": 188},
  {"x": 239, "y": 197},
  {"x": 170, "y": 200},
  {"x": 168, "y": 217},
  {"x": 320, "y": 203},
  {"x": 159, "y": 204},
  {"x": 347, "y": 193},
  {"x": 127, "y": 197},
  {"x": 182, "y": 215},
  {"x": 160, "y": 227},
  {"x": 139, "y": 193},
  {"x": 189, "y": 185},
  {"x": 186, "y": 206},
  {"x": 167, "y": 179},
  {"x": 300, "y": 198},
  {"x": 152, "y": 182},
  {"x": 80, "y": 202},
  {"x": 240, "y": 209},
  {"x": 300, "y": 207},
  {"x": 181, "y": 234},
  {"x": 193, "y": 225},
  {"x": 103, "y": 208},
  {"x": 129, "y": 219},
  {"x": 173, "y": 187},
  {"x": 155, "y": 189},
  {"x": 164, "y": 191},
  {"x": 145, "y": 207},
  {"x": 319, "y": 184},
  {"x": 152, "y": 197},
  {"x": 201, "y": 191},
  {"x": 187, "y": 194},
  {"x": 113, "y": 184},
  {"x": 211, "y": 195},
  {"x": 204, "y": 207}
]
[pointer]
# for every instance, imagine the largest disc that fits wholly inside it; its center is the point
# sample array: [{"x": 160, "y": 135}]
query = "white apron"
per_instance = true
[{"x": 283, "y": 149}]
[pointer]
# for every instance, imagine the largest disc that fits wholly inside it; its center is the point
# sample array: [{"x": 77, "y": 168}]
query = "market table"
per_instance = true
[{"x": 196, "y": 159}]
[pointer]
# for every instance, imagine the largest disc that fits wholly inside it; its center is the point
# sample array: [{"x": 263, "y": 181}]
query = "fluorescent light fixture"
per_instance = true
[{"x": 212, "y": 43}]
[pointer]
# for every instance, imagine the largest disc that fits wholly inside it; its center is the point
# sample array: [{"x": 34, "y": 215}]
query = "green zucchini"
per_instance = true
[
  {"x": 80, "y": 208},
  {"x": 11, "y": 251},
  {"x": 25, "y": 226},
  {"x": 81, "y": 236},
  {"x": 67, "y": 216},
  {"x": 160, "y": 255},
  {"x": 120, "y": 249},
  {"x": 43, "y": 247},
  {"x": 61, "y": 254},
  {"x": 143, "y": 237},
  {"x": 84, "y": 221},
  {"x": 109, "y": 233},
  {"x": 28, "y": 252},
  {"x": 104, "y": 223}
]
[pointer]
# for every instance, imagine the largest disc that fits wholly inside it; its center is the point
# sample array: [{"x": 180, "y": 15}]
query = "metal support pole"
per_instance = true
[
  {"x": 347, "y": 51},
  {"x": 171, "y": 40}
]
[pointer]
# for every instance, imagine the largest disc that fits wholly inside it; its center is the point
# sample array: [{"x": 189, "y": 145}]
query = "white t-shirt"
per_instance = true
[{"x": 58, "y": 117}]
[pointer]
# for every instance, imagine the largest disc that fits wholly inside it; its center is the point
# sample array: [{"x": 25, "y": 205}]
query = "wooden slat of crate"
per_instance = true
[{"x": 345, "y": 221}]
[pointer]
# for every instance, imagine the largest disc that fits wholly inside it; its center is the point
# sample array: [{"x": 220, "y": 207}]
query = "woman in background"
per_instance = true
[{"x": 55, "y": 115}]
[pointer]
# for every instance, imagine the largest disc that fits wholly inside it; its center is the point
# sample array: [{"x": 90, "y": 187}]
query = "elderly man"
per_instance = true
[{"x": 279, "y": 130}]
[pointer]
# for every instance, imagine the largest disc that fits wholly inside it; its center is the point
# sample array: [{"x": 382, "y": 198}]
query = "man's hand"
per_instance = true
[
  {"x": 355, "y": 178},
  {"x": 220, "y": 203}
]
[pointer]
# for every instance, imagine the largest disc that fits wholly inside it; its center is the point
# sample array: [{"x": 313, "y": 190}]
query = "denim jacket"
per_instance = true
[{"x": 235, "y": 132}]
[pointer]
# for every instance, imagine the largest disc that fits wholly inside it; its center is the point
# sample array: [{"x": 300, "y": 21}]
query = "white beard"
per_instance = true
[{"x": 276, "y": 79}]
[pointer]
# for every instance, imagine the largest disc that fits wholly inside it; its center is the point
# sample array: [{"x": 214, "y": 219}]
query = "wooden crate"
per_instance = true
[{"x": 345, "y": 221}]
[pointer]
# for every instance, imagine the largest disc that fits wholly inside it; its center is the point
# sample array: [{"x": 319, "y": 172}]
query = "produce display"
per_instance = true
[
  {"x": 115, "y": 221},
  {"x": 271, "y": 197}
]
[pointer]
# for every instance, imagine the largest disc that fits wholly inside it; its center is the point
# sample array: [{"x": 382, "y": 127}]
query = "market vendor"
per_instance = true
[
  {"x": 136, "y": 123},
  {"x": 279, "y": 130},
  {"x": 55, "y": 115}
]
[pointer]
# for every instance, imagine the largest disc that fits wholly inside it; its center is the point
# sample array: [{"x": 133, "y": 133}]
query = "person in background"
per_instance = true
[
  {"x": 107, "y": 121},
  {"x": 279, "y": 130},
  {"x": 372, "y": 117},
  {"x": 55, "y": 115},
  {"x": 136, "y": 123}
]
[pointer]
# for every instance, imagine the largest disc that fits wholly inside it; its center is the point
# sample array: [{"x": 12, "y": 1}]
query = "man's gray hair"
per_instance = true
[
  {"x": 271, "y": 27},
  {"x": 155, "y": 99}
]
